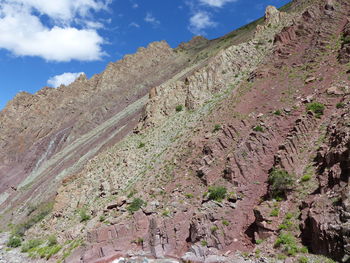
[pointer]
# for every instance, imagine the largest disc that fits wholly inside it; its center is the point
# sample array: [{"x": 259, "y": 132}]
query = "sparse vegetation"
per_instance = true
[
  {"x": 204, "y": 243},
  {"x": 306, "y": 177},
  {"x": 340, "y": 105},
  {"x": 135, "y": 205},
  {"x": 14, "y": 241},
  {"x": 345, "y": 39},
  {"x": 189, "y": 196},
  {"x": 139, "y": 241},
  {"x": 258, "y": 128},
  {"x": 303, "y": 259},
  {"x": 40, "y": 212},
  {"x": 102, "y": 218},
  {"x": 316, "y": 107},
  {"x": 280, "y": 183},
  {"x": 30, "y": 244},
  {"x": 179, "y": 108},
  {"x": 166, "y": 212},
  {"x": 83, "y": 215},
  {"x": 277, "y": 112},
  {"x": 225, "y": 222},
  {"x": 213, "y": 229},
  {"x": 259, "y": 241},
  {"x": 288, "y": 244},
  {"x": 217, "y": 127},
  {"x": 141, "y": 145},
  {"x": 275, "y": 212},
  {"x": 217, "y": 193}
]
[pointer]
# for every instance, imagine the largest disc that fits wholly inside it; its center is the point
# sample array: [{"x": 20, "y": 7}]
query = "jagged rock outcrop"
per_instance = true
[
  {"x": 198, "y": 86},
  {"x": 326, "y": 228},
  {"x": 344, "y": 53}
]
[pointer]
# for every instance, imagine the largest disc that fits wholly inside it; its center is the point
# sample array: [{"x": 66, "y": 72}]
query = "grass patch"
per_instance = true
[
  {"x": 306, "y": 177},
  {"x": 287, "y": 242},
  {"x": 141, "y": 145},
  {"x": 258, "y": 128},
  {"x": 204, "y": 243},
  {"x": 316, "y": 107},
  {"x": 280, "y": 182},
  {"x": 14, "y": 241},
  {"x": 30, "y": 244},
  {"x": 83, "y": 215},
  {"x": 217, "y": 193},
  {"x": 275, "y": 212},
  {"x": 225, "y": 222},
  {"x": 217, "y": 127},
  {"x": 135, "y": 205},
  {"x": 340, "y": 105}
]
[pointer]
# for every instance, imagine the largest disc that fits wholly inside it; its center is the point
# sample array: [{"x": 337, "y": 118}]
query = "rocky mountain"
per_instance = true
[{"x": 227, "y": 150}]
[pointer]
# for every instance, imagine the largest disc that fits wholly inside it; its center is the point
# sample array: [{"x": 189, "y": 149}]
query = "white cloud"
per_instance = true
[
  {"x": 199, "y": 21},
  {"x": 216, "y": 3},
  {"x": 62, "y": 9},
  {"x": 135, "y": 5},
  {"x": 65, "y": 79},
  {"x": 133, "y": 24},
  {"x": 151, "y": 19},
  {"x": 23, "y": 33}
]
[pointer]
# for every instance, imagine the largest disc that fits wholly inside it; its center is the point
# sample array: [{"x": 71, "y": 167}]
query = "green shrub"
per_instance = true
[
  {"x": 14, "y": 241},
  {"x": 345, "y": 39},
  {"x": 275, "y": 212},
  {"x": 340, "y": 105},
  {"x": 277, "y": 112},
  {"x": 189, "y": 196},
  {"x": 258, "y": 128},
  {"x": 217, "y": 127},
  {"x": 259, "y": 241},
  {"x": 102, "y": 218},
  {"x": 289, "y": 215},
  {"x": 225, "y": 222},
  {"x": 316, "y": 108},
  {"x": 303, "y": 259},
  {"x": 280, "y": 182},
  {"x": 217, "y": 193},
  {"x": 135, "y": 205},
  {"x": 30, "y": 244},
  {"x": 48, "y": 251},
  {"x": 213, "y": 229},
  {"x": 139, "y": 241},
  {"x": 52, "y": 240},
  {"x": 288, "y": 243},
  {"x": 179, "y": 108},
  {"x": 83, "y": 215},
  {"x": 306, "y": 177},
  {"x": 304, "y": 250},
  {"x": 166, "y": 213},
  {"x": 141, "y": 145},
  {"x": 204, "y": 243}
]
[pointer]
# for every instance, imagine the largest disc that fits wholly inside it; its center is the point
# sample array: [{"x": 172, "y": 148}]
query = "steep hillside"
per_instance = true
[{"x": 239, "y": 150}]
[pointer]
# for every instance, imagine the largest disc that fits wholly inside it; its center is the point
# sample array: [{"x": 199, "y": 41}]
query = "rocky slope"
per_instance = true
[{"x": 239, "y": 155}]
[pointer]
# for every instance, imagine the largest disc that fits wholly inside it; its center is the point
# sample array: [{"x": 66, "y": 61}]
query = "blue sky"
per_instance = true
[{"x": 45, "y": 43}]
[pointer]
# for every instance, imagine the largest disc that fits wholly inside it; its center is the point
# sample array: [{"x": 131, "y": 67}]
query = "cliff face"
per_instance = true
[{"x": 240, "y": 149}]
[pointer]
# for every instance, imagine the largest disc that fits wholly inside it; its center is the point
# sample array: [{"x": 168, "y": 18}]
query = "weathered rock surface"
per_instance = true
[{"x": 327, "y": 219}]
